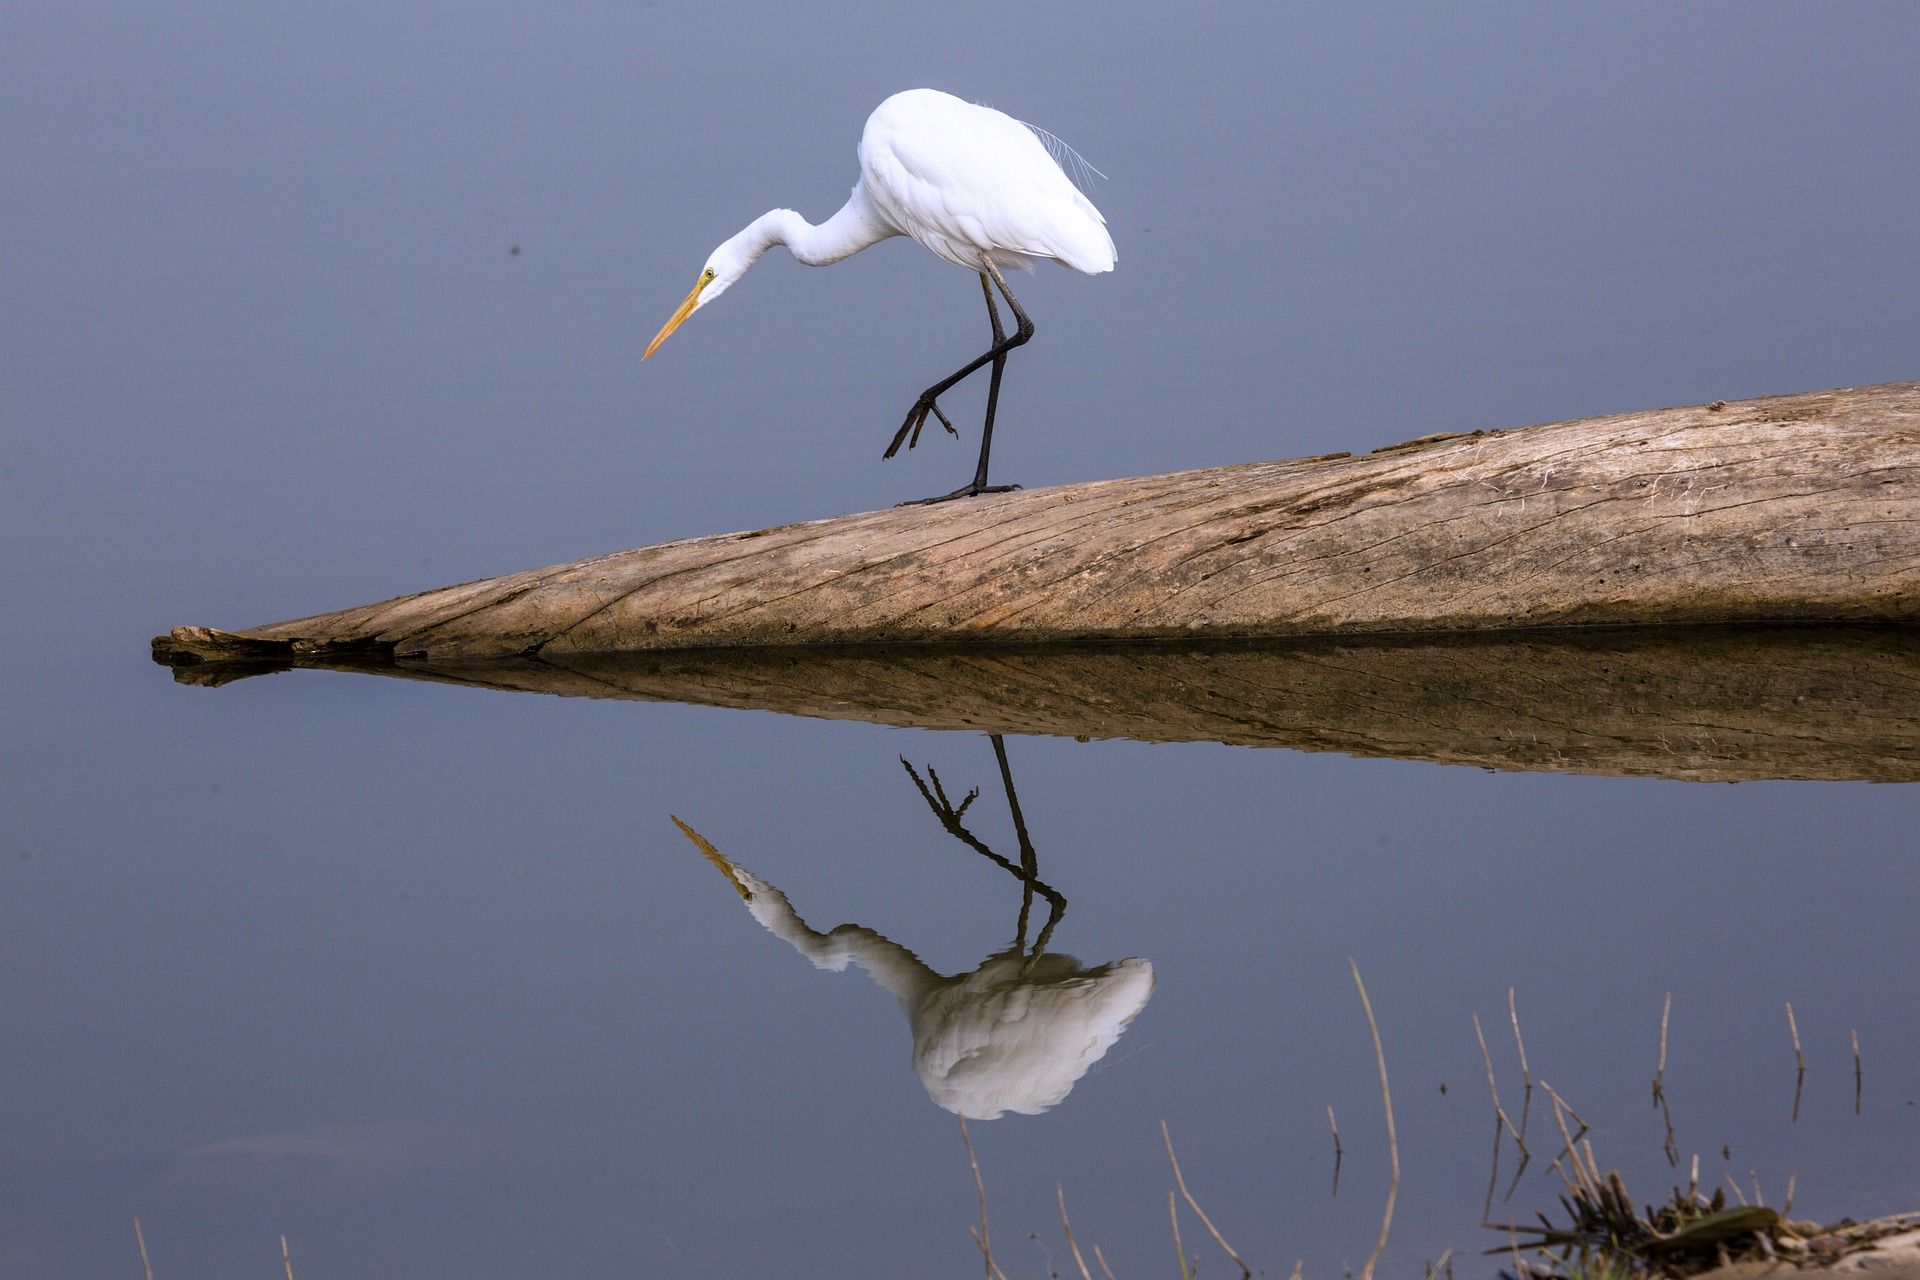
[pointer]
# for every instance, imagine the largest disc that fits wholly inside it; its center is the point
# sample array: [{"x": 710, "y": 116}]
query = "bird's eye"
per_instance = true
[{"x": 709, "y": 273}]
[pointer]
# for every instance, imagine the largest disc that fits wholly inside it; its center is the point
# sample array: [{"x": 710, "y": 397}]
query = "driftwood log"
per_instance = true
[
  {"x": 1423, "y": 601},
  {"x": 1803, "y": 507}
]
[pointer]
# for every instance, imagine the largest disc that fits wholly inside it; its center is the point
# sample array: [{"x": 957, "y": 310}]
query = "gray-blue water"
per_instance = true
[{"x": 425, "y": 978}]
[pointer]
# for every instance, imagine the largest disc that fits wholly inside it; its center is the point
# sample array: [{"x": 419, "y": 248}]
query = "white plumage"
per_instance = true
[
  {"x": 975, "y": 187},
  {"x": 965, "y": 181}
]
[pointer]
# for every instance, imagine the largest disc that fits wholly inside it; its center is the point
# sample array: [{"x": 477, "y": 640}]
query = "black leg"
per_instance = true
[
  {"x": 909, "y": 432},
  {"x": 979, "y": 484}
]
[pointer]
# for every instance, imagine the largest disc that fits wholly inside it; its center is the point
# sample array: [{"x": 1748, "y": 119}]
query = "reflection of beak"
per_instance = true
[
  {"x": 679, "y": 318},
  {"x": 711, "y": 854}
]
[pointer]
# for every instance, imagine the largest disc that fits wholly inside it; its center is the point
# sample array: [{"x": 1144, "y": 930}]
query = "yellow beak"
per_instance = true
[
  {"x": 712, "y": 854},
  {"x": 679, "y": 317}
]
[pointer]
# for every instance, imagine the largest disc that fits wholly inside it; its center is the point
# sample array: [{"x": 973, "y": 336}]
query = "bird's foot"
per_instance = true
[
  {"x": 964, "y": 491},
  {"x": 936, "y": 797},
  {"x": 917, "y": 418}
]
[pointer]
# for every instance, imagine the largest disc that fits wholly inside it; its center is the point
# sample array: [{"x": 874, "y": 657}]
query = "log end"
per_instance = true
[
  {"x": 191, "y": 646},
  {"x": 211, "y": 657}
]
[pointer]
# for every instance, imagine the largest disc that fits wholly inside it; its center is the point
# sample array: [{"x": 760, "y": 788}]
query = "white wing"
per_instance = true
[{"x": 966, "y": 180}]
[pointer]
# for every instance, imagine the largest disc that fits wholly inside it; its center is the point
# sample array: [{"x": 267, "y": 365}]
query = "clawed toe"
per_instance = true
[
  {"x": 965, "y": 491},
  {"x": 909, "y": 432}
]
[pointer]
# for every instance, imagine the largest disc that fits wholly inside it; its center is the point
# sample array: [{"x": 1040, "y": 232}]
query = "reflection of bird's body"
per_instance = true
[
  {"x": 1014, "y": 1034},
  {"x": 975, "y": 187}
]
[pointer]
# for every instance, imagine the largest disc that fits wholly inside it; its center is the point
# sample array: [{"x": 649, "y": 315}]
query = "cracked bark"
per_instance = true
[{"x": 1813, "y": 513}]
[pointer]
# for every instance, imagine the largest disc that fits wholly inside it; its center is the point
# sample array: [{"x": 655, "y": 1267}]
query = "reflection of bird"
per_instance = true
[
  {"x": 973, "y": 186},
  {"x": 1015, "y": 1034}
]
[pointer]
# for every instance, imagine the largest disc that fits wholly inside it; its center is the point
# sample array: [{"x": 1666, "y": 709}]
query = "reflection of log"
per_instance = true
[
  {"x": 1796, "y": 507},
  {"x": 1702, "y": 703}
]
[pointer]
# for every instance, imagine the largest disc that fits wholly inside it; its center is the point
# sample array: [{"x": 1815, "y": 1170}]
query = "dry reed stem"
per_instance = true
[
  {"x": 1101, "y": 1258},
  {"x": 1513, "y": 1013},
  {"x": 1526, "y": 1099},
  {"x": 1519, "y": 1172},
  {"x": 1660, "y": 1072},
  {"x": 1561, "y": 1109},
  {"x": 1499, "y": 1113},
  {"x": 286, "y": 1259},
  {"x": 1787, "y": 1207},
  {"x": 1738, "y": 1193},
  {"x": 1179, "y": 1247},
  {"x": 1670, "y": 1147},
  {"x": 1577, "y": 1183},
  {"x": 140, "y": 1237},
  {"x": 980, "y": 1237},
  {"x": 1577, "y": 1118},
  {"x": 1181, "y": 1181},
  {"x": 1502, "y": 1122},
  {"x": 993, "y": 1268},
  {"x": 1799, "y": 1063},
  {"x": 1393, "y": 1141},
  {"x": 1060, "y": 1193},
  {"x": 1513, "y": 1251},
  {"x": 1856, "y": 1070},
  {"x": 1339, "y": 1153},
  {"x": 1493, "y": 1175}
]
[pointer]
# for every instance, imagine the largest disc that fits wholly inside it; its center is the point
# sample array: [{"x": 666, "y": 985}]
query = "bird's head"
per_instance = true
[{"x": 726, "y": 264}]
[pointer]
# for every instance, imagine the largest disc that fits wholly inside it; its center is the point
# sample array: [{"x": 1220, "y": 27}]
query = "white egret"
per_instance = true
[{"x": 975, "y": 187}]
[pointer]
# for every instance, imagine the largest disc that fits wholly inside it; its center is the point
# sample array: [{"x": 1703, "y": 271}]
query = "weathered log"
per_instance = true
[
  {"x": 1701, "y": 703},
  {"x": 1787, "y": 508}
]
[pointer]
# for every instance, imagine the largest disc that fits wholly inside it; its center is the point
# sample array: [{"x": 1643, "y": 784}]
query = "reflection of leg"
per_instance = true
[
  {"x": 1027, "y": 870},
  {"x": 1029, "y": 861}
]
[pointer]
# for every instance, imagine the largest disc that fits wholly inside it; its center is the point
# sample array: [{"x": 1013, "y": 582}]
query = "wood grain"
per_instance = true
[{"x": 1793, "y": 507}]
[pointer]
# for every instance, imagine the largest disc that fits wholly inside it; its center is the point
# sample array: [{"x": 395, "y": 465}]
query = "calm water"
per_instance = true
[{"x": 427, "y": 979}]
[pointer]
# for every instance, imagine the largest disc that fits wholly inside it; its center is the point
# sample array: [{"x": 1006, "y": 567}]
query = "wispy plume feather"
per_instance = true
[{"x": 1071, "y": 162}]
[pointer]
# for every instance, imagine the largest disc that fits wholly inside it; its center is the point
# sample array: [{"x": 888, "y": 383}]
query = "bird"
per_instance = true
[{"x": 970, "y": 184}]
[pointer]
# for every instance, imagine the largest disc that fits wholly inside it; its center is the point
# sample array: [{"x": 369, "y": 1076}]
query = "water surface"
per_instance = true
[{"x": 425, "y": 977}]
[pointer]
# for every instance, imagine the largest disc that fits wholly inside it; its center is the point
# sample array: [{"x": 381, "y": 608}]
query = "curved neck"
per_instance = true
[{"x": 855, "y": 227}]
